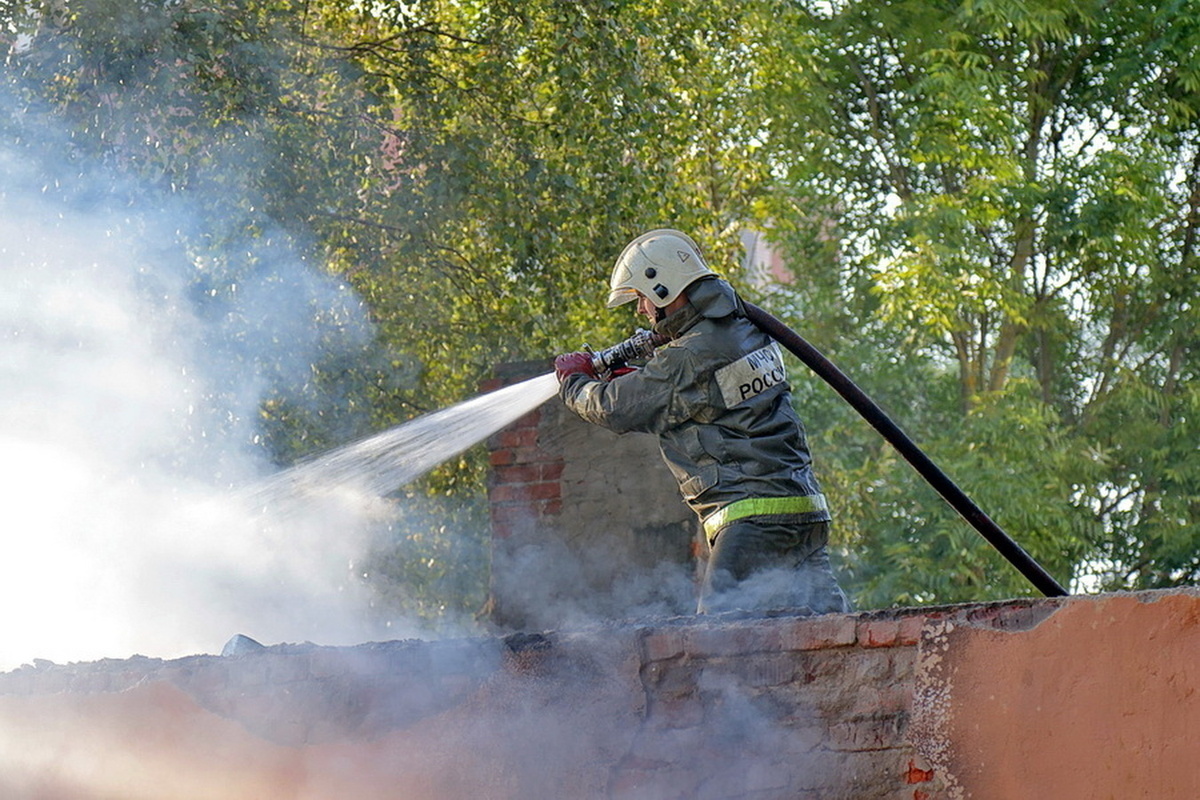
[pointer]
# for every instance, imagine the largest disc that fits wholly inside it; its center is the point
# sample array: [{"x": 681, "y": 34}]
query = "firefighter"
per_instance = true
[{"x": 716, "y": 395}]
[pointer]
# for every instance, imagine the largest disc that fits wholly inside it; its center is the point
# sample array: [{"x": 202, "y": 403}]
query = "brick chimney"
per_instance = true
[{"x": 586, "y": 525}]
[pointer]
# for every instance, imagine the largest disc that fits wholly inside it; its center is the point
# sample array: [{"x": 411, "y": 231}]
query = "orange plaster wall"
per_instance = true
[{"x": 1097, "y": 700}]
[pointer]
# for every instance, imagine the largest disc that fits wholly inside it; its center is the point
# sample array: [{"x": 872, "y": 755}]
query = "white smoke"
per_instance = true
[{"x": 128, "y": 407}]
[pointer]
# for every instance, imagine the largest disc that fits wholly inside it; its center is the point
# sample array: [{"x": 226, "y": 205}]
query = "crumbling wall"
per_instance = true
[
  {"x": 1086, "y": 697},
  {"x": 689, "y": 707}
]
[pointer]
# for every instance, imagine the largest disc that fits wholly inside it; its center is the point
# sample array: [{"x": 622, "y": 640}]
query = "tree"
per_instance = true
[
  {"x": 229, "y": 109},
  {"x": 990, "y": 206},
  {"x": 525, "y": 144},
  {"x": 529, "y": 141},
  {"x": 217, "y": 130},
  {"x": 1010, "y": 188},
  {"x": 471, "y": 168}
]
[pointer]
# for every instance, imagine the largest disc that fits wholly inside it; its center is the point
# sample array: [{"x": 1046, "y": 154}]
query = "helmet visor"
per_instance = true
[{"x": 621, "y": 295}]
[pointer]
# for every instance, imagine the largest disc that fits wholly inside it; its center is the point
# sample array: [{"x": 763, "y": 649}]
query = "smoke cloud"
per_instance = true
[{"x": 131, "y": 375}]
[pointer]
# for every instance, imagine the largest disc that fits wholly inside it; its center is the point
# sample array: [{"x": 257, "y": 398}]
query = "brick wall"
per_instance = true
[
  {"x": 525, "y": 479},
  {"x": 631, "y": 697},
  {"x": 587, "y": 526},
  {"x": 688, "y": 708},
  {"x": 1074, "y": 698}
]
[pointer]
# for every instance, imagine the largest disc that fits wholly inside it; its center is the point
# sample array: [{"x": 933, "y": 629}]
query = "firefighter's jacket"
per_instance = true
[{"x": 718, "y": 398}]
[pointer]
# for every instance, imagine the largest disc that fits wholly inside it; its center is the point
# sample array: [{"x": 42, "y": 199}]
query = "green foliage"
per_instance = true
[
  {"x": 990, "y": 206},
  {"x": 430, "y": 562},
  {"x": 528, "y": 142},
  {"x": 1011, "y": 191}
]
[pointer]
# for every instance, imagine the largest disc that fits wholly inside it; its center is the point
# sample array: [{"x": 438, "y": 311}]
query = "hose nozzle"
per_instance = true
[{"x": 640, "y": 345}]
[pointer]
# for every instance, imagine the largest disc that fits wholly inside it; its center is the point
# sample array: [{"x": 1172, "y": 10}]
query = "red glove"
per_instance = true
[{"x": 570, "y": 363}]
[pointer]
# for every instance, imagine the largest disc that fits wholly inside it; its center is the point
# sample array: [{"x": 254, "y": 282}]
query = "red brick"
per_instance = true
[
  {"x": 917, "y": 775},
  {"x": 530, "y": 420},
  {"x": 662, "y": 644},
  {"x": 552, "y": 470},
  {"x": 525, "y": 492},
  {"x": 530, "y": 455},
  {"x": 728, "y": 640},
  {"x": 547, "y": 490},
  {"x": 517, "y": 437},
  {"x": 501, "y": 493},
  {"x": 523, "y": 513},
  {"x": 878, "y": 632},
  {"x": 910, "y": 630},
  {"x": 819, "y": 633},
  {"x": 518, "y": 473},
  {"x": 548, "y": 508},
  {"x": 499, "y": 458}
]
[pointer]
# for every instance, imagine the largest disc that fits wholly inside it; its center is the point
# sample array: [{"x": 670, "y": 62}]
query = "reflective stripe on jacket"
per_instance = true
[{"x": 718, "y": 398}]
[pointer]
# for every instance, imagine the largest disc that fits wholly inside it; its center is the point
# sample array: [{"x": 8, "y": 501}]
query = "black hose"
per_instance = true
[{"x": 873, "y": 414}]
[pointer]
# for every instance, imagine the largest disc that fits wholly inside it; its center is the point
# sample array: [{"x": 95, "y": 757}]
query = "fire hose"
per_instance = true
[{"x": 643, "y": 343}]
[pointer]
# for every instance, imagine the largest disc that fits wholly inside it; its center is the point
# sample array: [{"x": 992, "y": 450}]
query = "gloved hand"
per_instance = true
[{"x": 571, "y": 363}]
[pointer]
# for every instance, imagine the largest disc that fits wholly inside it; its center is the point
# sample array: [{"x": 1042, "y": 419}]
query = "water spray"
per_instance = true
[
  {"x": 385, "y": 461},
  {"x": 379, "y": 464}
]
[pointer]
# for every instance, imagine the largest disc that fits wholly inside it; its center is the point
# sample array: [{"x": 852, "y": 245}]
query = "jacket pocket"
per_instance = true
[{"x": 701, "y": 481}]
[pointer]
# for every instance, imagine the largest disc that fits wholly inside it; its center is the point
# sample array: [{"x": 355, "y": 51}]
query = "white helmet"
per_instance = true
[{"x": 659, "y": 264}]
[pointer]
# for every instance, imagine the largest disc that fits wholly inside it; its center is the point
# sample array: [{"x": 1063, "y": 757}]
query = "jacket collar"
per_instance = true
[{"x": 708, "y": 298}]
